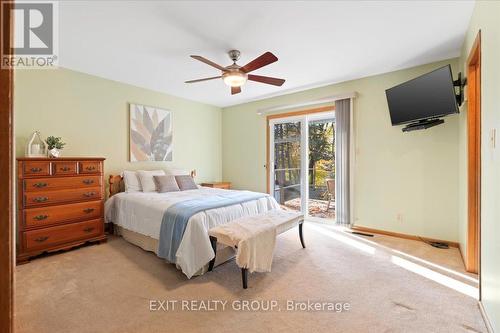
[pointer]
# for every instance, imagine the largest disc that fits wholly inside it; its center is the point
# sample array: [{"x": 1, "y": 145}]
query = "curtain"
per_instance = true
[{"x": 342, "y": 158}]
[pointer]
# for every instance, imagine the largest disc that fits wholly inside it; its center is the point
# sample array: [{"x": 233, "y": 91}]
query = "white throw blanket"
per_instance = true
[{"x": 254, "y": 237}]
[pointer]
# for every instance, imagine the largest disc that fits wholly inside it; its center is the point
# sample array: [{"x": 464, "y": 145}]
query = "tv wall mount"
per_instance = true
[
  {"x": 459, "y": 85},
  {"x": 423, "y": 124}
]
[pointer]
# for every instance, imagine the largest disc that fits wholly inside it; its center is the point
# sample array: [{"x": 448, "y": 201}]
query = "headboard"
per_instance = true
[{"x": 116, "y": 184}]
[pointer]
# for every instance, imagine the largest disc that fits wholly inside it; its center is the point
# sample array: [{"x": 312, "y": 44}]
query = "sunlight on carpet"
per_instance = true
[
  {"x": 437, "y": 277},
  {"x": 447, "y": 281}
]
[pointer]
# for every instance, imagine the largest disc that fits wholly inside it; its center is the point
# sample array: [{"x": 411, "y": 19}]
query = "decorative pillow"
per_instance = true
[
  {"x": 166, "y": 184},
  {"x": 147, "y": 181},
  {"x": 177, "y": 172},
  {"x": 132, "y": 183},
  {"x": 185, "y": 183}
]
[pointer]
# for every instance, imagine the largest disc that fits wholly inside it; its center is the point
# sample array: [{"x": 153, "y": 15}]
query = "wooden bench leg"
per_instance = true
[
  {"x": 213, "y": 241},
  {"x": 244, "y": 277},
  {"x": 301, "y": 235}
]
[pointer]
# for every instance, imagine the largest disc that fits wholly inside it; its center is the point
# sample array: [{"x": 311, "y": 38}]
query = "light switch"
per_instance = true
[{"x": 493, "y": 138}]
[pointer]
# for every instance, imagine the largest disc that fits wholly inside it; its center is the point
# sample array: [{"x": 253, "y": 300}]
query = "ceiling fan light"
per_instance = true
[{"x": 234, "y": 79}]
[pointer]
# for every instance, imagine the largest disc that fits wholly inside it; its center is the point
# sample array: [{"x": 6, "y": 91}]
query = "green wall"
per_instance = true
[
  {"x": 91, "y": 114},
  {"x": 413, "y": 174},
  {"x": 486, "y": 17}
]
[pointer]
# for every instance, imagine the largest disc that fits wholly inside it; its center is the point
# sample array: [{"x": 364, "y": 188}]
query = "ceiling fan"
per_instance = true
[{"x": 235, "y": 76}]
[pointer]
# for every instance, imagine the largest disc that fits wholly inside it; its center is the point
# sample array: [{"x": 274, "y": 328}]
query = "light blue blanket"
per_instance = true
[{"x": 176, "y": 217}]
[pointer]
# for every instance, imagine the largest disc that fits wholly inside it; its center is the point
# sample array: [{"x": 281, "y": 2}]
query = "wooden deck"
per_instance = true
[{"x": 317, "y": 208}]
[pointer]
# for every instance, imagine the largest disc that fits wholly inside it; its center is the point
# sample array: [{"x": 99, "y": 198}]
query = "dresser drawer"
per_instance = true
[
  {"x": 36, "y": 168},
  {"x": 47, "y": 237},
  {"x": 43, "y": 184},
  {"x": 34, "y": 217},
  {"x": 64, "y": 168},
  {"x": 60, "y": 196},
  {"x": 89, "y": 167}
]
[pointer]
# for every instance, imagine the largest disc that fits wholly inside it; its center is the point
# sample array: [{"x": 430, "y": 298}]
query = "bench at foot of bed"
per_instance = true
[{"x": 257, "y": 231}]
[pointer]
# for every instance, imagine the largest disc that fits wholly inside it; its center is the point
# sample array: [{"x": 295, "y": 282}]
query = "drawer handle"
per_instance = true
[
  {"x": 88, "y": 210},
  {"x": 89, "y": 194},
  {"x": 40, "y": 199},
  {"x": 65, "y": 168},
  {"x": 88, "y": 181},
  {"x": 88, "y": 229},
  {"x": 40, "y": 217},
  {"x": 40, "y": 185},
  {"x": 36, "y": 169},
  {"x": 41, "y": 239},
  {"x": 90, "y": 168}
]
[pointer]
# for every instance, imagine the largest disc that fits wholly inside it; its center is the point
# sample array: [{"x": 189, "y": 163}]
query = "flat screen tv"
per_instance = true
[{"x": 428, "y": 96}]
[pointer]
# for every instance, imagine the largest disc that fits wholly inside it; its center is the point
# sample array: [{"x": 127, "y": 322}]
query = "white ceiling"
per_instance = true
[{"x": 148, "y": 43}]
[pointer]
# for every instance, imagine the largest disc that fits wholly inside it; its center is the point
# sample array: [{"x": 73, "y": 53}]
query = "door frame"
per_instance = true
[
  {"x": 6, "y": 187},
  {"x": 291, "y": 116},
  {"x": 473, "y": 246}
]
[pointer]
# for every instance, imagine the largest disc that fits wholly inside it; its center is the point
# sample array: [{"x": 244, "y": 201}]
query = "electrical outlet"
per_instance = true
[{"x": 399, "y": 218}]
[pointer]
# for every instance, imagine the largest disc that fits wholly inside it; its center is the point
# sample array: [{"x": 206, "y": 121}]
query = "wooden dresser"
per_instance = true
[{"x": 60, "y": 204}]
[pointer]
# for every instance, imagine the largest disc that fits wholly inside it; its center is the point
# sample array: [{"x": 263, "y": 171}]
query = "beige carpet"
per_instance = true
[{"x": 107, "y": 288}]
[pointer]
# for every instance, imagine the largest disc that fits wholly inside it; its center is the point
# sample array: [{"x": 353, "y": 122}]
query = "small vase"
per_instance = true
[{"x": 54, "y": 153}]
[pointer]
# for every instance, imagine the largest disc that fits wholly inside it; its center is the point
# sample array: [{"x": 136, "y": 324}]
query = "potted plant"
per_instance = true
[{"x": 54, "y": 145}]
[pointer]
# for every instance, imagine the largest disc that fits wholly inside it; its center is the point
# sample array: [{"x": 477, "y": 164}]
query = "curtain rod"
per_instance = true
[{"x": 324, "y": 100}]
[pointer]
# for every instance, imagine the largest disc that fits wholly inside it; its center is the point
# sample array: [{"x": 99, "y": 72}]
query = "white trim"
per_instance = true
[
  {"x": 487, "y": 321},
  {"x": 329, "y": 99},
  {"x": 322, "y": 115},
  {"x": 288, "y": 119},
  {"x": 304, "y": 160},
  {"x": 352, "y": 162},
  {"x": 271, "y": 158}
]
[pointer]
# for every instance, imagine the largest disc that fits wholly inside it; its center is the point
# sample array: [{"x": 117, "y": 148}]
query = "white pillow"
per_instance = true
[
  {"x": 147, "y": 180},
  {"x": 132, "y": 183},
  {"x": 177, "y": 172}
]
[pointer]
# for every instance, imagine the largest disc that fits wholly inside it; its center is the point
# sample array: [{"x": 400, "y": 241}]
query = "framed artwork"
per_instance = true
[{"x": 150, "y": 133}]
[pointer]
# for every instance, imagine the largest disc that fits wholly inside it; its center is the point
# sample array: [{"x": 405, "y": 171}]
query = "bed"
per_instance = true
[{"x": 138, "y": 216}]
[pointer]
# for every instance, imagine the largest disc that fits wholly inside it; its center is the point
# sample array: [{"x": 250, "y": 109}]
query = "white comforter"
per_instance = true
[{"x": 143, "y": 213}]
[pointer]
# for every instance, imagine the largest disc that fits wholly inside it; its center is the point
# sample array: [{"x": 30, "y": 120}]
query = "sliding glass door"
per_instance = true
[
  {"x": 302, "y": 156},
  {"x": 287, "y": 166},
  {"x": 321, "y": 167}
]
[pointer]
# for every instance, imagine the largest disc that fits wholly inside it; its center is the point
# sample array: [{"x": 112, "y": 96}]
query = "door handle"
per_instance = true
[
  {"x": 40, "y": 217},
  {"x": 36, "y": 169},
  {"x": 88, "y": 229},
  {"x": 88, "y": 210},
  {"x": 89, "y": 194},
  {"x": 88, "y": 181},
  {"x": 40, "y": 185}
]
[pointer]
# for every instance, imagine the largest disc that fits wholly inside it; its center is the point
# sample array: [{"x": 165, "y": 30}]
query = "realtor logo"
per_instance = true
[{"x": 35, "y": 34}]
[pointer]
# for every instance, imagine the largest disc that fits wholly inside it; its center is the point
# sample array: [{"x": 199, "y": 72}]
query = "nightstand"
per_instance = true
[{"x": 223, "y": 185}]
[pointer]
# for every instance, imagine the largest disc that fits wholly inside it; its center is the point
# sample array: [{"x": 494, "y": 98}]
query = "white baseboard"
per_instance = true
[{"x": 485, "y": 317}]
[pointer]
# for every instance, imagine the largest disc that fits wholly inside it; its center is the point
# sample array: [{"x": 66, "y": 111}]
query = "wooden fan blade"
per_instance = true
[
  {"x": 205, "y": 79},
  {"x": 235, "y": 90},
  {"x": 208, "y": 62},
  {"x": 264, "y": 60},
  {"x": 266, "y": 79}
]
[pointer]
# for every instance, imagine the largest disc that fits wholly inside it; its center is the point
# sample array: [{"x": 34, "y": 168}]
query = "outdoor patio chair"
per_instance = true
[{"x": 330, "y": 187}]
